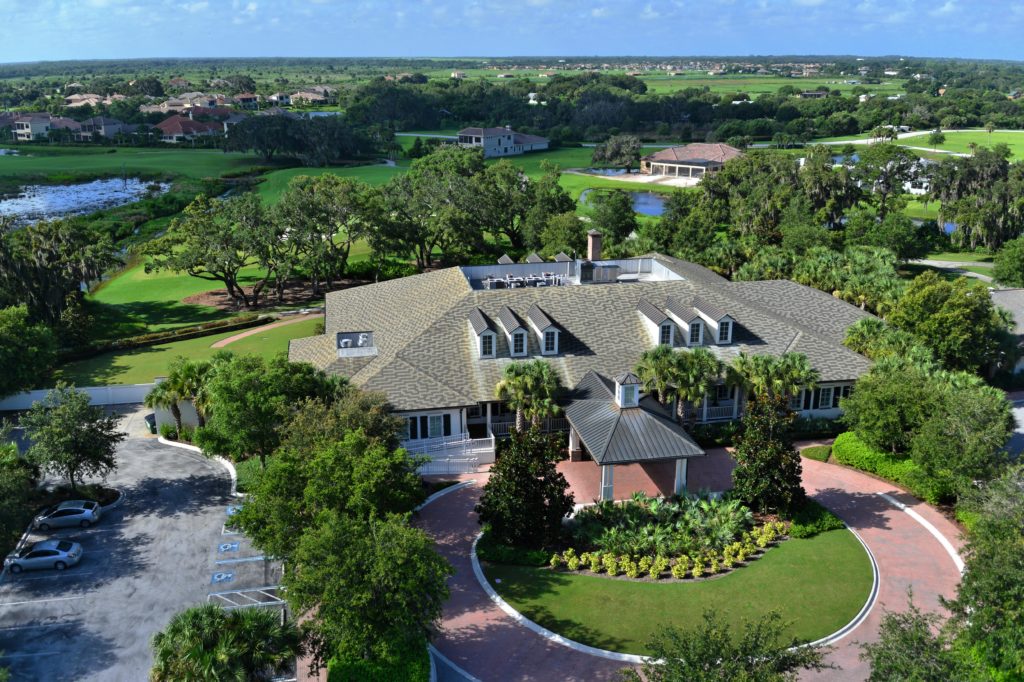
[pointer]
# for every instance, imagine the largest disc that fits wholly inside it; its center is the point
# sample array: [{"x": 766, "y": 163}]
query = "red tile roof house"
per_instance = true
[
  {"x": 247, "y": 100},
  {"x": 688, "y": 161},
  {"x": 181, "y": 129}
]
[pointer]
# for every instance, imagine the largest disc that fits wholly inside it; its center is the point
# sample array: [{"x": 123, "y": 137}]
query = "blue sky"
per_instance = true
[{"x": 77, "y": 29}]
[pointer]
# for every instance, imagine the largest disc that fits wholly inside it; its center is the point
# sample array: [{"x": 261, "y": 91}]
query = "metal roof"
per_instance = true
[
  {"x": 562, "y": 257},
  {"x": 615, "y": 436}
]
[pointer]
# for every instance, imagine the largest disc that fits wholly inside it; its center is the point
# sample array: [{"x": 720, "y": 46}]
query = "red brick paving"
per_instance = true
[{"x": 480, "y": 638}]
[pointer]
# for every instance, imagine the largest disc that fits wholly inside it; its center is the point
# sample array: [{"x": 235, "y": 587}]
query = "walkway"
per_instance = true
[
  {"x": 263, "y": 328},
  {"x": 481, "y": 639},
  {"x": 957, "y": 267}
]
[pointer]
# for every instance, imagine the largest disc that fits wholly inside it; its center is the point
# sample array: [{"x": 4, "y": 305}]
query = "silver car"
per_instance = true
[
  {"x": 82, "y": 513},
  {"x": 58, "y": 554}
]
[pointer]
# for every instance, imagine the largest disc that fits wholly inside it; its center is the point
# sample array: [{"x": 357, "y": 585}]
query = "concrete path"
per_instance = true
[
  {"x": 487, "y": 644},
  {"x": 957, "y": 267},
  {"x": 263, "y": 328}
]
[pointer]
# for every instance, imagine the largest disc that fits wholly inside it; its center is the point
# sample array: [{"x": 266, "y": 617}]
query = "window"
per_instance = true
[
  {"x": 629, "y": 395},
  {"x": 666, "y": 335},
  {"x": 796, "y": 401},
  {"x": 436, "y": 426},
  {"x": 487, "y": 346},
  {"x": 724, "y": 331},
  {"x": 519, "y": 344},
  {"x": 411, "y": 428},
  {"x": 695, "y": 333},
  {"x": 840, "y": 392},
  {"x": 474, "y": 411},
  {"x": 550, "y": 341},
  {"x": 723, "y": 393}
]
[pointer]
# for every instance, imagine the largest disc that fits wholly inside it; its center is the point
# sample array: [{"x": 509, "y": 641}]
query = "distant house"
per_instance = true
[
  {"x": 813, "y": 94},
  {"x": 102, "y": 126},
  {"x": 501, "y": 141},
  {"x": 458, "y": 75},
  {"x": 31, "y": 127},
  {"x": 280, "y": 99},
  {"x": 90, "y": 99},
  {"x": 309, "y": 98},
  {"x": 689, "y": 161},
  {"x": 178, "y": 83},
  {"x": 247, "y": 100},
  {"x": 177, "y": 128}
]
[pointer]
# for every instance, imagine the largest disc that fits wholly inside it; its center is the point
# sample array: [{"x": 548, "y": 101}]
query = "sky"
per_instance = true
[{"x": 111, "y": 29}]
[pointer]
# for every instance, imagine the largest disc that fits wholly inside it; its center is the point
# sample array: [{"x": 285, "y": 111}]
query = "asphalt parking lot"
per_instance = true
[{"x": 164, "y": 549}]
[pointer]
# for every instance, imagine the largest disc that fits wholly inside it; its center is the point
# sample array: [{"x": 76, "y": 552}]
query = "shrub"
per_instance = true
[
  {"x": 713, "y": 566},
  {"x": 168, "y": 431},
  {"x": 411, "y": 664},
  {"x": 698, "y": 568},
  {"x": 817, "y": 452},
  {"x": 611, "y": 564},
  {"x": 572, "y": 562},
  {"x": 556, "y": 561},
  {"x": 645, "y": 564},
  {"x": 595, "y": 562},
  {"x": 812, "y": 519},
  {"x": 850, "y": 450},
  {"x": 659, "y": 566},
  {"x": 681, "y": 567},
  {"x": 186, "y": 434},
  {"x": 495, "y": 552},
  {"x": 631, "y": 569}
]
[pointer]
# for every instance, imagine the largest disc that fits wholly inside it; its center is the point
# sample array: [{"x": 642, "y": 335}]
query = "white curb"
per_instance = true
[
  {"x": 946, "y": 544},
  {"x": 228, "y": 466},
  {"x": 444, "y": 491},
  {"x": 864, "y": 610}
]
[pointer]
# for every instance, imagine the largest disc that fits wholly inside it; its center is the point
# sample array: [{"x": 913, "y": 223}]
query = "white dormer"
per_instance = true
[
  {"x": 720, "y": 325},
  {"x": 689, "y": 321},
  {"x": 483, "y": 334},
  {"x": 548, "y": 334},
  {"x": 627, "y": 390},
  {"x": 515, "y": 333},
  {"x": 660, "y": 328}
]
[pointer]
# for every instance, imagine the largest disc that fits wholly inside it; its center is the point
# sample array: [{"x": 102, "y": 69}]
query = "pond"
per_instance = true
[
  {"x": 8, "y": 152},
  {"x": 43, "y": 202},
  {"x": 644, "y": 203}
]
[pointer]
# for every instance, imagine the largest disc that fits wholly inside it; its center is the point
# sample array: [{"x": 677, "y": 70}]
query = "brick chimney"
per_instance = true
[{"x": 593, "y": 245}]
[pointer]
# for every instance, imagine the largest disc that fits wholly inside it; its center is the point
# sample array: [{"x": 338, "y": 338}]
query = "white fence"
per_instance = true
[
  {"x": 458, "y": 454},
  {"x": 118, "y": 394}
]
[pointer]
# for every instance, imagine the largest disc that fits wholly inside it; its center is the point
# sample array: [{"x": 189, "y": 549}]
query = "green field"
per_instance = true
[
  {"x": 755, "y": 85},
  {"x": 142, "y": 365},
  {"x": 964, "y": 256},
  {"x": 818, "y": 585},
  {"x": 959, "y": 141},
  {"x": 73, "y": 162}
]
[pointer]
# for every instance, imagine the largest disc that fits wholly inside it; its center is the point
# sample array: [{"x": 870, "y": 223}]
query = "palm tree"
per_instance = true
[
  {"x": 989, "y": 128},
  {"x": 656, "y": 370},
  {"x": 529, "y": 388},
  {"x": 695, "y": 375},
  {"x": 190, "y": 376},
  {"x": 769, "y": 377},
  {"x": 206, "y": 643},
  {"x": 973, "y": 146},
  {"x": 165, "y": 395}
]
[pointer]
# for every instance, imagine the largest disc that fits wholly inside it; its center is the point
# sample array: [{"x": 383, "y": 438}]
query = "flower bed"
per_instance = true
[{"x": 652, "y": 539}]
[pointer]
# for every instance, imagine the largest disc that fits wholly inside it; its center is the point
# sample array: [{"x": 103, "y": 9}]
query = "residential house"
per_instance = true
[
  {"x": 308, "y": 98},
  {"x": 436, "y": 345},
  {"x": 814, "y": 94},
  {"x": 501, "y": 141},
  {"x": 248, "y": 100},
  {"x": 280, "y": 99},
  {"x": 102, "y": 126},
  {"x": 85, "y": 99},
  {"x": 458, "y": 75},
  {"x": 178, "y": 84},
  {"x": 689, "y": 161},
  {"x": 32, "y": 127},
  {"x": 178, "y": 128}
]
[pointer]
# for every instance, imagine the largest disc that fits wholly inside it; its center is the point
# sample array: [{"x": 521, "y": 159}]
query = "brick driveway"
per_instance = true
[{"x": 481, "y": 639}]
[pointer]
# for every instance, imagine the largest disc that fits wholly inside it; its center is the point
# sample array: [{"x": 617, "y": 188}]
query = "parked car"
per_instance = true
[
  {"x": 58, "y": 554},
  {"x": 81, "y": 513}
]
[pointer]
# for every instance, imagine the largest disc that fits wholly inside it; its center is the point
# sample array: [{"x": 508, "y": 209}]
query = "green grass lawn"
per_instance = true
[
  {"x": 64, "y": 162},
  {"x": 978, "y": 269},
  {"x": 919, "y": 209},
  {"x": 142, "y": 365},
  {"x": 755, "y": 85},
  {"x": 960, "y": 141},
  {"x": 965, "y": 256},
  {"x": 818, "y": 585}
]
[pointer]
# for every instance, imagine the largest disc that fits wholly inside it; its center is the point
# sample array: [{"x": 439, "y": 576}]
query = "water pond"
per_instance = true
[
  {"x": 44, "y": 202},
  {"x": 644, "y": 203}
]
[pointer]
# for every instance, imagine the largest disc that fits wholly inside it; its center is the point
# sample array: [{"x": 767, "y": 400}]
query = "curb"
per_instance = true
[
  {"x": 116, "y": 503},
  {"x": 444, "y": 491},
  {"x": 228, "y": 466},
  {"x": 864, "y": 610},
  {"x": 928, "y": 526}
]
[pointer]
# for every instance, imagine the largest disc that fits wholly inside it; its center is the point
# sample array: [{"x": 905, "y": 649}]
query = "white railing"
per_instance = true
[
  {"x": 553, "y": 425},
  {"x": 714, "y": 414},
  {"x": 457, "y": 454}
]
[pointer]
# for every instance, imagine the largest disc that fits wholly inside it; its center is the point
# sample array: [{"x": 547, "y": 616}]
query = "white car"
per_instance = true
[
  {"x": 56, "y": 554},
  {"x": 80, "y": 513}
]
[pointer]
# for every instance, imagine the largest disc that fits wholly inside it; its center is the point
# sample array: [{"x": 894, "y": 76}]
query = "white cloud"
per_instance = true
[
  {"x": 946, "y": 8},
  {"x": 649, "y": 12},
  {"x": 193, "y": 7},
  {"x": 599, "y": 12}
]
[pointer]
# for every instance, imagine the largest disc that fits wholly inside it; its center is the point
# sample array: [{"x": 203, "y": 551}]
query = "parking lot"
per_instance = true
[{"x": 164, "y": 549}]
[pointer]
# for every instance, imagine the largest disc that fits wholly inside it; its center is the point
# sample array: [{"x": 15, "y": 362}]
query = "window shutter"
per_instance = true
[
  {"x": 808, "y": 397},
  {"x": 447, "y": 421},
  {"x": 414, "y": 431},
  {"x": 817, "y": 398},
  {"x": 425, "y": 426}
]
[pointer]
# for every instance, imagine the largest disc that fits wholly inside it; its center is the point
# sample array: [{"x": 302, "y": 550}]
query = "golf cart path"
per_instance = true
[
  {"x": 263, "y": 328},
  {"x": 486, "y": 643}
]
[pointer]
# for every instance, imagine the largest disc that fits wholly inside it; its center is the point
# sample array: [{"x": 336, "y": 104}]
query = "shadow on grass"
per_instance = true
[
  {"x": 138, "y": 317},
  {"x": 859, "y": 510}
]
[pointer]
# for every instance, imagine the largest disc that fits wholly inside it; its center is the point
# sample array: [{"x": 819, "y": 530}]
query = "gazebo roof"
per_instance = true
[{"x": 624, "y": 436}]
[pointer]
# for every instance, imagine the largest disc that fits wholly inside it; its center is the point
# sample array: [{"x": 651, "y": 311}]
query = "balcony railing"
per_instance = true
[
  {"x": 504, "y": 427},
  {"x": 716, "y": 413},
  {"x": 457, "y": 454}
]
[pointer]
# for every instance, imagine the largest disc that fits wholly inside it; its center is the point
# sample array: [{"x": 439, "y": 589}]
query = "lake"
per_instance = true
[
  {"x": 43, "y": 202},
  {"x": 644, "y": 203}
]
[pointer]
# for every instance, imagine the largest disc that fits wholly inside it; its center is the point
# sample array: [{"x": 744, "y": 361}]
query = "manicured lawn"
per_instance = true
[
  {"x": 755, "y": 85},
  {"x": 818, "y": 584},
  {"x": 142, "y": 365},
  {"x": 965, "y": 256},
  {"x": 275, "y": 182},
  {"x": 70, "y": 162},
  {"x": 919, "y": 209},
  {"x": 979, "y": 269},
  {"x": 958, "y": 141}
]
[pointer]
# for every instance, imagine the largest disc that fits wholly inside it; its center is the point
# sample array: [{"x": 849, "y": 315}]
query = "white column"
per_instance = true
[
  {"x": 736, "y": 402},
  {"x": 704, "y": 409},
  {"x": 465, "y": 422},
  {"x": 608, "y": 482},
  {"x": 574, "y": 440},
  {"x": 489, "y": 419},
  {"x": 680, "y": 483}
]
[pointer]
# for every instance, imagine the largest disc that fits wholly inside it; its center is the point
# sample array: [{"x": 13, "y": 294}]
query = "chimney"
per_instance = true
[{"x": 593, "y": 245}]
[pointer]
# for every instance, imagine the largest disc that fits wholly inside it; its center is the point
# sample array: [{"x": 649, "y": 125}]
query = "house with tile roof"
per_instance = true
[
  {"x": 688, "y": 161},
  {"x": 501, "y": 141},
  {"x": 180, "y": 128},
  {"x": 436, "y": 345}
]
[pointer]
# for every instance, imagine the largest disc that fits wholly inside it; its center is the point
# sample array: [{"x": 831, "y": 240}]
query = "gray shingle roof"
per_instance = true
[
  {"x": 614, "y": 436},
  {"x": 534, "y": 258},
  {"x": 709, "y": 309},
  {"x": 479, "y": 321},
  {"x": 681, "y": 310},
  {"x": 1013, "y": 301},
  {"x": 539, "y": 318},
  {"x": 505, "y": 259},
  {"x": 509, "y": 320},
  {"x": 427, "y": 358},
  {"x": 561, "y": 257}
]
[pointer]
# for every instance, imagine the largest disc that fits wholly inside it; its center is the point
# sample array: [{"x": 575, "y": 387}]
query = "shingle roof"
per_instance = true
[
  {"x": 651, "y": 311},
  {"x": 479, "y": 321},
  {"x": 534, "y": 258},
  {"x": 539, "y": 318},
  {"x": 426, "y": 354},
  {"x": 681, "y": 310},
  {"x": 505, "y": 259},
  {"x": 561, "y": 257},
  {"x": 509, "y": 320},
  {"x": 709, "y": 309},
  {"x": 698, "y": 151},
  {"x": 614, "y": 436}
]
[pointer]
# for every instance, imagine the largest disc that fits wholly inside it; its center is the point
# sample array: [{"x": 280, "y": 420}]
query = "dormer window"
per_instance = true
[
  {"x": 550, "y": 342},
  {"x": 519, "y": 344},
  {"x": 487, "y": 345},
  {"x": 666, "y": 336},
  {"x": 545, "y": 328},
  {"x": 627, "y": 390},
  {"x": 696, "y": 333},
  {"x": 725, "y": 331}
]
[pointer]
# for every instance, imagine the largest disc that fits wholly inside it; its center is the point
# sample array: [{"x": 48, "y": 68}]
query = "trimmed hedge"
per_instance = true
[
  {"x": 850, "y": 450},
  {"x": 817, "y": 452},
  {"x": 408, "y": 666},
  {"x": 813, "y": 519}
]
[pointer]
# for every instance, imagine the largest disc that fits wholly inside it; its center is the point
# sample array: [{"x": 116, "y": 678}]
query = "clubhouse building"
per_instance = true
[
  {"x": 436, "y": 345},
  {"x": 688, "y": 161}
]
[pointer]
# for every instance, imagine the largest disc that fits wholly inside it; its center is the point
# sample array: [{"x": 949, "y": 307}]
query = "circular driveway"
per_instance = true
[
  {"x": 147, "y": 559},
  {"x": 481, "y": 641}
]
